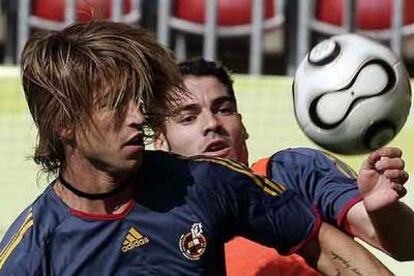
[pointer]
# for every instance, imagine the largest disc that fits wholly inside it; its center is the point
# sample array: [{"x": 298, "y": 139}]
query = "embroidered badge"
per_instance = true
[{"x": 193, "y": 244}]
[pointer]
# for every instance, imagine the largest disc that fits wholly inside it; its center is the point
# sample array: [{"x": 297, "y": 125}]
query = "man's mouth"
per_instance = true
[
  {"x": 137, "y": 140},
  {"x": 218, "y": 148}
]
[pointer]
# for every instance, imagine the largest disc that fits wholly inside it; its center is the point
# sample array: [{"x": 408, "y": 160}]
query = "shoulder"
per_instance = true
[
  {"x": 49, "y": 211},
  {"x": 290, "y": 160},
  {"x": 211, "y": 173},
  {"x": 229, "y": 174},
  {"x": 165, "y": 163},
  {"x": 298, "y": 155},
  {"x": 16, "y": 245},
  {"x": 305, "y": 156},
  {"x": 317, "y": 160},
  {"x": 295, "y": 160},
  {"x": 219, "y": 168},
  {"x": 24, "y": 242},
  {"x": 45, "y": 213},
  {"x": 222, "y": 165}
]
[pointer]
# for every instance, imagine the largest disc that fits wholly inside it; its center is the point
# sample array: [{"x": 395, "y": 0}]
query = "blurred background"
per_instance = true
[
  {"x": 261, "y": 41},
  {"x": 250, "y": 36}
]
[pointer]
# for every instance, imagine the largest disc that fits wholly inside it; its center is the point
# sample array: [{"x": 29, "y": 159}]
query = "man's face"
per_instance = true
[
  {"x": 111, "y": 147},
  {"x": 207, "y": 123}
]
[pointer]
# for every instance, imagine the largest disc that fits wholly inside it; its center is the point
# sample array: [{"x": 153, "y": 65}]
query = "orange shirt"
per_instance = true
[{"x": 246, "y": 258}]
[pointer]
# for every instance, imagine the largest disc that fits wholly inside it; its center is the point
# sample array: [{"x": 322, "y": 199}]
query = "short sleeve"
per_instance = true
[
  {"x": 321, "y": 179},
  {"x": 257, "y": 208},
  {"x": 19, "y": 251}
]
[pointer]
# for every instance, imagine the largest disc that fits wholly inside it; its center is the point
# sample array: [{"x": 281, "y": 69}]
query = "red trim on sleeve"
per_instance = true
[
  {"x": 341, "y": 221},
  {"x": 312, "y": 235},
  {"x": 93, "y": 216},
  {"x": 260, "y": 166}
]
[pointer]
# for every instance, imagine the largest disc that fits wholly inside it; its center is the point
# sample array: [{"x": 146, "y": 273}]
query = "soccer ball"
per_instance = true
[{"x": 351, "y": 94}]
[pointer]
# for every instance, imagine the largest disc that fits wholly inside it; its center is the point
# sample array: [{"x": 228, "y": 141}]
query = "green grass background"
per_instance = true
[{"x": 267, "y": 111}]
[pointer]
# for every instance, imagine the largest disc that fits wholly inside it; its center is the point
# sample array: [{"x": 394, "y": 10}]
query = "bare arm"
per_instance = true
[
  {"x": 389, "y": 229},
  {"x": 381, "y": 219},
  {"x": 337, "y": 254}
]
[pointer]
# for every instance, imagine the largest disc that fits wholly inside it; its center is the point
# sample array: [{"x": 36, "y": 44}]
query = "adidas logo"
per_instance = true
[{"x": 133, "y": 240}]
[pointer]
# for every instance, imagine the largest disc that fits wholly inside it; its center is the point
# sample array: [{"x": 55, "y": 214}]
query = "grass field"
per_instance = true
[{"x": 267, "y": 112}]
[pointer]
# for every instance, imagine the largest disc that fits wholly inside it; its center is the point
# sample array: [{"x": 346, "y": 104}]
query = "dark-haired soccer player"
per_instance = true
[
  {"x": 114, "y": 209},
  {"x": 208, "y": 123}
]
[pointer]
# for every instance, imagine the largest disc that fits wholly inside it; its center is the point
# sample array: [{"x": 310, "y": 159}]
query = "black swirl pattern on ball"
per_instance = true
[{"x": 390, "y": 84}]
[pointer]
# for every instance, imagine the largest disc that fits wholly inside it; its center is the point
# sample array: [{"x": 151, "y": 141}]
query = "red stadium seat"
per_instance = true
[
  {"x": 374, "y": 18},
  {"x": 230, "y": 12},
  {"x": 57, "y": 14},
  {"x": 371, "y": 15},
  {"x": 85, "y": 10},
  {"x": 234, "y": 18}
]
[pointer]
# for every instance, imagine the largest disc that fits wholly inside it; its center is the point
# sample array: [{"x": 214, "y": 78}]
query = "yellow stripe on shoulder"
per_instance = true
[
  {"x": 17, "y": 238},
  {"x": 267, "y": 185},
  {"x": 342, "y": 166}
]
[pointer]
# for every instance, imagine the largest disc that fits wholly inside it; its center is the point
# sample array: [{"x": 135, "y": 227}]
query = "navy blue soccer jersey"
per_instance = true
[
  {"x": 321, "y": 180},
  {"x": 185, "y": 211}
]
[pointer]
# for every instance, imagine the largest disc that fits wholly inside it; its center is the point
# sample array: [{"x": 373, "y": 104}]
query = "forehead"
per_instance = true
[{"x": 204, "y": 89}]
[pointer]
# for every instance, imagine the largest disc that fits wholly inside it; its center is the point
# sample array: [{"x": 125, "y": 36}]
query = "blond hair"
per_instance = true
[{"x": 66, "y": 73}]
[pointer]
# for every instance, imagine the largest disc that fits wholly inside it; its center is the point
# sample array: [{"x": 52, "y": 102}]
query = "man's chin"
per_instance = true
[{"x": 130, "y": 164}]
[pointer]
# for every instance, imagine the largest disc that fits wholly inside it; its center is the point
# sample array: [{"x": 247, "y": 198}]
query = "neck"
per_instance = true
[
  {"x": 87, "y": 187},
  {"x": 93, "y": 196}
]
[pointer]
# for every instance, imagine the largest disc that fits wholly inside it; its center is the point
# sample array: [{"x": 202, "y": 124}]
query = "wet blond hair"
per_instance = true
[{"x": 97, "y": 64}]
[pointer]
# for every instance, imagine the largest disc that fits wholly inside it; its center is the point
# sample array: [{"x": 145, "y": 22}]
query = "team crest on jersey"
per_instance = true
[{"x": 194, "y": 243}]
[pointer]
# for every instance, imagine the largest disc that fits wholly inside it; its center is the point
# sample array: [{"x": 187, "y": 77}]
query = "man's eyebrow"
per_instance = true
[
  {"x": 221, "y": 100},
  {"x": 195, "y": 107},
  {"x": 187, "y": 107}
]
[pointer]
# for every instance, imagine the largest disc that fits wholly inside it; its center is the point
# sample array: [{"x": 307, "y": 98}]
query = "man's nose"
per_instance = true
[
  {"x": 211, "y": 123},
  {"x": 134, "y": 114}
]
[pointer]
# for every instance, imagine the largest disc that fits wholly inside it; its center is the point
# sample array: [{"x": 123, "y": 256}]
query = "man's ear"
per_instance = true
[
  {"x": 160, "y": 142},
  {"x": 67, "y": 134},
  {"x": 245, "y": 133}
]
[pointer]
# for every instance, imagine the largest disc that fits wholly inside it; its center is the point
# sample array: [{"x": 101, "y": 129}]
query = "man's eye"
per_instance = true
[
  {"x": 226, "y": 110},
  {"x": 187, "y": 119}
]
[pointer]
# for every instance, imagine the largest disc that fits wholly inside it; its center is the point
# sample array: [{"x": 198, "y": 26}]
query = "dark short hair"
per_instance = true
[{"x": 200, "y": 67}]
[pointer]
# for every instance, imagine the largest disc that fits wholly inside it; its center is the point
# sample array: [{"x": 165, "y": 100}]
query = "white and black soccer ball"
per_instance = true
[{"x": 351, "y": 94}]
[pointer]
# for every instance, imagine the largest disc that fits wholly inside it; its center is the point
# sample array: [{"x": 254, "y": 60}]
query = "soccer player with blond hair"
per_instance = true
[{"x": 114, "y": 208}]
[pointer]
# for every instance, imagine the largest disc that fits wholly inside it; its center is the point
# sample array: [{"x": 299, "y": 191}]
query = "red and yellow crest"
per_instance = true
[{"x": 193, "y": 244}]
